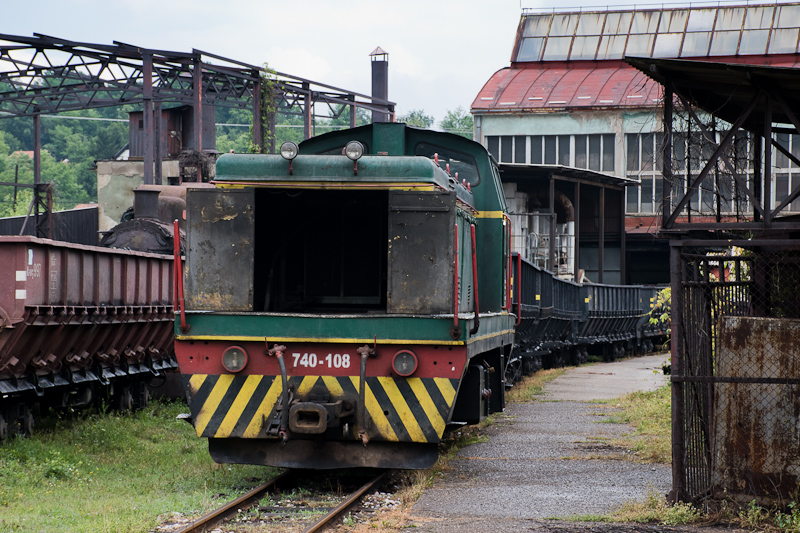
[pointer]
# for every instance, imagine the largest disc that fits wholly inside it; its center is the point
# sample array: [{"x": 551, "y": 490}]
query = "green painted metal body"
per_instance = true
[
  {"x": 321, "y": 165},
  {"x": 330, "y": 254}
]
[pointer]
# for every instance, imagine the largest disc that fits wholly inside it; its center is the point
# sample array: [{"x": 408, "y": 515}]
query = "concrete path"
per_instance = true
[{"x": 541, "y": 460}]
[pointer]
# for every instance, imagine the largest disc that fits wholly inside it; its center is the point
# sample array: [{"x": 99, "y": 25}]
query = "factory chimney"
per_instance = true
[{"x": 380, "y": 82}]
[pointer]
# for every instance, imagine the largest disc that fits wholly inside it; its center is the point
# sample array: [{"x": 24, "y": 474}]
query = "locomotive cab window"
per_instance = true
[{"x": 464, "y": 164}]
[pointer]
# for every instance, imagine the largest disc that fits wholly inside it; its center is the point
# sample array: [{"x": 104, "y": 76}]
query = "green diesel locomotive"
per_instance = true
[{"x": 346, "y": 301}]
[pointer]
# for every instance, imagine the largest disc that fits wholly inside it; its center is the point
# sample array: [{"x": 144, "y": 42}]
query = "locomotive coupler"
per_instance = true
[
  {"x": 277, "y": 351},
  {"x": 365, "y": 351}
]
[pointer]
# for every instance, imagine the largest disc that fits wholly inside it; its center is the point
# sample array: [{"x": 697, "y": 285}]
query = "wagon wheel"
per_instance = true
[
  {"x": 125, "y": 400},
  {"x": 26, "y": 423},
  {"x": 513, "y": 371}
]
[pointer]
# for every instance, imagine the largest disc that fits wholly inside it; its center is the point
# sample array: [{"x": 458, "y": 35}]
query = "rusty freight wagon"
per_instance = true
[
  {"x": 345, "y": 304},
  {"x": 78, "y": 324}
]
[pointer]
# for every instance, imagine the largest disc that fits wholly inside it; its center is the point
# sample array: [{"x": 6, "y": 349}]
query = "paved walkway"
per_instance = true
[{"x": 541, "y": 460}]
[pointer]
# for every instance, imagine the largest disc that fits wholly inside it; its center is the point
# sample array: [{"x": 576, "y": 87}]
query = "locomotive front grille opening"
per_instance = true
[{"x": 320, "y": 251}]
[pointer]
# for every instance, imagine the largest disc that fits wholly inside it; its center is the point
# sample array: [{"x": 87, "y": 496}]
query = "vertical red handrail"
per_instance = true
[
  {"x": 455, "y": 287},
  {"x": 507, "y": 225},
  {"x": 179, "y": 301},
  {"x": 474, "y": 329}
]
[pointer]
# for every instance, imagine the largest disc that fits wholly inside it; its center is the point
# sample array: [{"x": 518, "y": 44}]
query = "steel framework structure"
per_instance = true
[
  {"x": 44, "y": 74},
  {"x": 756, "y": 101}
]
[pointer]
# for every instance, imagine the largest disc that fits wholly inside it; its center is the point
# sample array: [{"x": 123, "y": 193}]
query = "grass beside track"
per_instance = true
[{"x": 113, "y": 473}]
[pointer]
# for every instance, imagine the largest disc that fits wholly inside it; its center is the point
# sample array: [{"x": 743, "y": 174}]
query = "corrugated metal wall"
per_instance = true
[{"x": 79, "y": 226}]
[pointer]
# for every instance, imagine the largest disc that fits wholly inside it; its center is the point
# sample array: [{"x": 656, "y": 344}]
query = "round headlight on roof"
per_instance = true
[
  {"x": 289, "y": 150},
  {"x": 234, "y": 359},
  {"x": 404, "y": 363},
  {"x": 354, "y": 150}
]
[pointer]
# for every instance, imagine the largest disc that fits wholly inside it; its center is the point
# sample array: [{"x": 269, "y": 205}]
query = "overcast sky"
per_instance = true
[{"x": 441, "y": 52}]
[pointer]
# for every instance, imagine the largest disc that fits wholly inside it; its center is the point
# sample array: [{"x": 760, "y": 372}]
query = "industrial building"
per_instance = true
[{"x": 569, "y": 100}]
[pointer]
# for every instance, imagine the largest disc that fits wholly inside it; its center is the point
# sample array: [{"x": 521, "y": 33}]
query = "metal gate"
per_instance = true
[{"x": 735, "y": 406}]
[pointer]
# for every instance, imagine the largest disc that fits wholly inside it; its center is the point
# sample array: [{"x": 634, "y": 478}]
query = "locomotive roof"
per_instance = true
[{"x": 330, "y": 171}]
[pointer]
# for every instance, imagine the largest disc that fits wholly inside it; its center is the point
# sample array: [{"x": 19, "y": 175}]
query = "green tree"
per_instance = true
[
  {"x": 458, "y": 121},
  {"x": 417, "y": 117}
]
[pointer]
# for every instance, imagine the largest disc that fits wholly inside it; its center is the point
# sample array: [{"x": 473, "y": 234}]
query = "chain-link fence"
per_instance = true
[{"x": 736, "y": 410}]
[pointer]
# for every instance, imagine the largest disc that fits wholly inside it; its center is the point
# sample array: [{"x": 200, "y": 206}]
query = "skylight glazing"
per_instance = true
[{"x": 680, "y": 32}]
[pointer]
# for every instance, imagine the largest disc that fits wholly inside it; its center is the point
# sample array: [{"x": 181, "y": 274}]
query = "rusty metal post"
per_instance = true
[
  {"x": 157, "y": 137},
  {"x": 678, "y": 492},
  {"x": 353, "y": 113},
  {"x": 197, "y": 78},
  {"x": 258, "y": 125},
  {"x": 147, "y": 118}
]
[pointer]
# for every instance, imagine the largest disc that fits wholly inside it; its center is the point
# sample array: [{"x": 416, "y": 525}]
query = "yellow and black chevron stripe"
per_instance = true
[{"x": 400, "y": 410}]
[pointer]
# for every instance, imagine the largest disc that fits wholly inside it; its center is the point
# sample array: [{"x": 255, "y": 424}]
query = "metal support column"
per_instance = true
[
  {"x": 158, "y": 135},
  {"x": 147, "y": 111},
  {"x": 666, "y": 179},
  {"x": 197, "y": 78},
  {"x": 767, "y": 202},
  {"x": 37, "y": 149},
  {"x": 601, "y": 237},
  {"x": 577, "y": 205},
  {"x": 622, "y": 238},
  {"x": 307, "y": 111},
  {"x": 552, "y": 248},
  {"x": 258, "y": 124},
  {"x": 678, "y": 492}
]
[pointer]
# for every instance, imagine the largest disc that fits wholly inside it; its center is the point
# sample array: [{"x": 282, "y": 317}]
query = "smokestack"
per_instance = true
[{"x": 380, "y": 81}]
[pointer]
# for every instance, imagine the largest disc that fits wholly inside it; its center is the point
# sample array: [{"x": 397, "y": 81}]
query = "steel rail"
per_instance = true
[
  {"x": 241, "y": 503},
  {"x": 342, "y": 507}
]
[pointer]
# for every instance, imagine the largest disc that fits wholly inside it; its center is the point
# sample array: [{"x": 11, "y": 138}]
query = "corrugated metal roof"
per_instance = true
[
  {"x": 561, "y": 85},
  {"x": 589, "y": 84}
]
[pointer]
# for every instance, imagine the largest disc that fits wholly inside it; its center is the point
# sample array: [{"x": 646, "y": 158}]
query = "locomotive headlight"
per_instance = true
[
  {"x": 354, "y": 150},
  {"x": 234, "y": 359},
  {"x": 404, "y": 363},
  {"x": 289, "y": 150}
]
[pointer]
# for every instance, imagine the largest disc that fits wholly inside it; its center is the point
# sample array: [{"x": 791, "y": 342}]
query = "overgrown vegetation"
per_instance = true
[
  {"x": 113, "y": 473},
  {"x": 531, "y": 386},
  {"x": 649, "y": 413}
]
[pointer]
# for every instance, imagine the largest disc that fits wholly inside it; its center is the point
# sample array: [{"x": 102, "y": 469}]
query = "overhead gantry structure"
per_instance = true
[
  {"x": 737, "y": 112},
  {"x": 44, "y": 75}
]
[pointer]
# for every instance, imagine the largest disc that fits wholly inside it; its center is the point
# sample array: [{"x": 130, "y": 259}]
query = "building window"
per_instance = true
[
  {"x": 595, "y": 152},
  {"x": 644, "y": 164},
  {"x": 720, "y": 191}
]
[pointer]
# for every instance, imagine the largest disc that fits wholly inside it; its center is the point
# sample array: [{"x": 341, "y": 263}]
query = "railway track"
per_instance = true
[{"x": 248, "y": 504}]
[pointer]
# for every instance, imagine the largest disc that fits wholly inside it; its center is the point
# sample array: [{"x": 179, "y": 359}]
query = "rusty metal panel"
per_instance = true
[
  {"x": 219, "y": 257},
  {"x": 421, "y": 261},
  {"x": 756, "y": 444}
]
